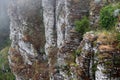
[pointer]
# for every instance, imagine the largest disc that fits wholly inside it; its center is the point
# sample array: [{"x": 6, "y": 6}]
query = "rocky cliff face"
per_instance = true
[
  {"x": 61, "y": 39},
  {"x": 44, "y": 41},
  {"x": 99, "y": 56},
  {"x": 27, "y": 35}
]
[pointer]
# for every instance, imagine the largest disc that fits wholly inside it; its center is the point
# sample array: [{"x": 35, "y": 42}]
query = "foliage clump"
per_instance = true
[
  {"x": 5, "y": 72},
  {"x": 81, "y": 26},
  {"x": 107, "y": 17}
]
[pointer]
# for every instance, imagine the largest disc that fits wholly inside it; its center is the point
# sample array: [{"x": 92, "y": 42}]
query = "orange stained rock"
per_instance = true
[
  {"x": 106, "y": 48},
  {"x": 26, "y": 38}
]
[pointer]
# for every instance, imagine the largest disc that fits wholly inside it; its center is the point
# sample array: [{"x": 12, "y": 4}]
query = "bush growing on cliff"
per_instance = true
[
  {"x": 81, "y": 26},
  {"x": 5, "y": 72},
  {"x": 107, "y": 18}
]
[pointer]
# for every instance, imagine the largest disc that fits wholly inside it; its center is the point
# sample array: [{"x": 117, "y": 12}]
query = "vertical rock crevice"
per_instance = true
[
  {"x": 28, "y": 40},
  {"x": 60, "y": 38}
]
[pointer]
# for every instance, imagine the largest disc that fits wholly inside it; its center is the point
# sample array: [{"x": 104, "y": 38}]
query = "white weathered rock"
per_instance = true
[{"x": 61, "y": 40}]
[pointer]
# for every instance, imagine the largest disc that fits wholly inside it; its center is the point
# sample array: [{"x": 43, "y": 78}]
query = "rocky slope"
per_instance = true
[
  {"x": 99, "y": 56},
  {"x": 44, "y": 41}
]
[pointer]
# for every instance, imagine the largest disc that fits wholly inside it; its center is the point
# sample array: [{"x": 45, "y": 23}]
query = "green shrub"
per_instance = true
[
  {"x": 118, "y": 37},
  {"x": 5, "y": 72},
  {"x": 82, "y": 26},
  {"x": 107, "y": 19},
  {"x": 78, "y": 52}
]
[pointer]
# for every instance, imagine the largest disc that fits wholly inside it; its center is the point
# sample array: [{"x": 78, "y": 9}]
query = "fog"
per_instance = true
[{"x": 4, "y": 22}]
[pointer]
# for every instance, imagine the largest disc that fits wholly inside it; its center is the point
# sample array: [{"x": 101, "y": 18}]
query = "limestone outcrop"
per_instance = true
[{"x": 45, "y": 45}]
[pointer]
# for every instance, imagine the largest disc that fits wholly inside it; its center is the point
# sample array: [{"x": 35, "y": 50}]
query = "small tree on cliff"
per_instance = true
[{"x": 82, "y": 26}]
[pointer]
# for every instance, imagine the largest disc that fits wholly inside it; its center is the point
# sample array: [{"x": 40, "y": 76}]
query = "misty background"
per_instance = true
[
  {"x": 5, "y": 72},
  {"x": 4, "y": 23}
]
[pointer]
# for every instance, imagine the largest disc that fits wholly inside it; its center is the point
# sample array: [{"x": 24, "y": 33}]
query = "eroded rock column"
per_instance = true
[
  {"x": 49, "y": 17},
  {"x": 68, "y": 11},
  {"x": 26, "y": 58}
]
